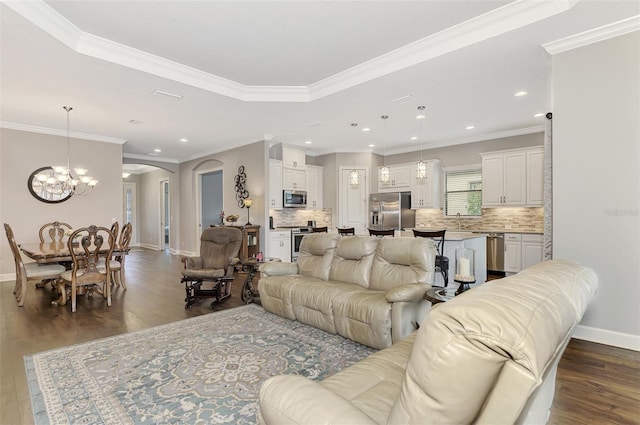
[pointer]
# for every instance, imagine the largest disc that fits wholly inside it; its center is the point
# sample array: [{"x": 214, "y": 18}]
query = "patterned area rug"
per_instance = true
[{"x": 202, "y": 370}]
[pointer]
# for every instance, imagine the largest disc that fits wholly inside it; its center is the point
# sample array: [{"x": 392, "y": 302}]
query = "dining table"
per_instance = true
[{"x": 58, "y": 252}]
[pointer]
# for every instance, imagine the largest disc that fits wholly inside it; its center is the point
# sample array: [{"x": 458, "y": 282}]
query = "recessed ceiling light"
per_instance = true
[
  {"x": 539, "y": 115},
  {"x": 470, "y": 127},
  {"x": 184, "y": 140},
  {"x": 307, "y": 142},
  {"x": 414, "y": 138},
  {"x": 521, "y": 93},
  {"x": 157, "y": 150},
  {"x": 372, "y": 146},
  {"x": 366, "y": 129},
  {"x": 167, "y": 94}
]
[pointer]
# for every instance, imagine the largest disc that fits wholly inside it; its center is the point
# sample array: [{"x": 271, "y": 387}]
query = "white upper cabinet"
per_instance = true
[
  {"x": 293, "y": 158},
  {"x": 275, "y": 183},
  {"x": 508, "y": 176},
  {"x": 293, "y": 179},
  {"x": 315, "y": 187},
  {"x": 535, "y": 177},
  {"x": 425, "y": 193},
  {"x": 399, "y": 178}
]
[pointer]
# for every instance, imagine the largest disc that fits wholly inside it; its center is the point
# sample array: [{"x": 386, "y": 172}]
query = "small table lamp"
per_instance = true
[{"x": 247, "y": 203}]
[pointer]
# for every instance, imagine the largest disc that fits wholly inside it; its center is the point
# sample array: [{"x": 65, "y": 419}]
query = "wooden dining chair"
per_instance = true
[
  {"x": 442, "y": 262},
  {"x": 319, "y": 229},
  {"x": 54, "y": 230},
  {"x": 347, "y": 231},
  {"x": 381, "y": 233},
  {"x": 115, "y": 228},
  {"x": 28, "y": 271},
  {"x": 117, "y": 263},
  {"x": 87, "y": 270}
]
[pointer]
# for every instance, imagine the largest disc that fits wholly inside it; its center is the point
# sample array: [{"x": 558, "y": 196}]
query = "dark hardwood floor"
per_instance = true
[{"x": 596, "y": 384}]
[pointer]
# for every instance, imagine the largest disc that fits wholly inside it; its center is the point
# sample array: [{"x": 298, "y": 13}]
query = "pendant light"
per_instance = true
[
  {"x": 354, "y": 179},
  {"x": 421, "y": 166},
  {"x": 384, "y": 170}
]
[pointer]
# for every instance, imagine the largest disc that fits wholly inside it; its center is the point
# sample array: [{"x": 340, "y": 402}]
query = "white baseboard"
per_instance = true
[
  {"x": 603, "y": 336},
  {"x": 149, "y": 246},
  {"x": 186, "y": 253},
  {"x": 7, "y": 276}
]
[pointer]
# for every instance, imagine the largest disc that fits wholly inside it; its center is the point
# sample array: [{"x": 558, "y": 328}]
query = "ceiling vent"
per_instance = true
[
  {"x": 166, "y": 94},
  {"x": 405, "y": 99}
]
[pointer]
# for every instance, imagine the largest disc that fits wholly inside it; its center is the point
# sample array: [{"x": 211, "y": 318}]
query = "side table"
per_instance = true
[
  {"x": 439, "y": 295},
  {"x": 250, "y": 266}
]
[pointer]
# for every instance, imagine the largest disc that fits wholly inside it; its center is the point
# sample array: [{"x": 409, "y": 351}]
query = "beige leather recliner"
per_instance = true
[
  {"x": 364, "y": 288},
  {"x": 489, "y": 356}
]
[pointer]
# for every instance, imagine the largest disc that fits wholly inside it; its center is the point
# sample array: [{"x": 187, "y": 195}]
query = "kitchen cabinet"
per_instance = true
[
  {"x": 293, "y": 179},
  {"x": 522, "y": 251},
  {"x": 293, "y": 158},
  {"x": 280, "y": 245},
  {"x": 532, "y": 250},
  {"x": 512, "y": 178},
  {"x": 399, "y": 178},
  {"x": 425, "y": 193},
  {"x": 315, "y": 187},
  {"x": 512, "y": 253},
  {"x": 535, "y": 177},
  {"x": 275, "y": 183}
]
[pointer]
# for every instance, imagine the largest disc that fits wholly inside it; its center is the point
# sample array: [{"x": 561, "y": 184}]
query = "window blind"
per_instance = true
[{"x": 463, "y": 192}]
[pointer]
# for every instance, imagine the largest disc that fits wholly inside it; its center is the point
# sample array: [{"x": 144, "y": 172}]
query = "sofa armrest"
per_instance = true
[
  {"x": 409, "y": 293},
  {"x": 291, "y": 399},
  {"x": 275, "y": 268},
  {"x": 192, "y": 262}
]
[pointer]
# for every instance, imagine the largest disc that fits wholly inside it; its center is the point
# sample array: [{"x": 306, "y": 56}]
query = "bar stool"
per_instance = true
[
  {"x": 347, "y": 231},
  {"x": 442, "y": 262}
]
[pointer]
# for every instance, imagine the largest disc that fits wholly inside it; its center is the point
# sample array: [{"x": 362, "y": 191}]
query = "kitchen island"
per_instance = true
[{"x": 458, "y": 239}]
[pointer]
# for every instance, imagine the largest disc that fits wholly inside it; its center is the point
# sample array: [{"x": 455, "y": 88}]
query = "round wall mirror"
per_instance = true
[{"x": 44, "y": 189}]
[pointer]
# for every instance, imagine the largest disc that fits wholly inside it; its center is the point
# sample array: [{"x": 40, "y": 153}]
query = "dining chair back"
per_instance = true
[
  {"x": 87, "y": 269},
  {"x": 54, "y": 230},
  {"x": 27, "y": 271},
  {"x": 442, "y": 262},
  {"x": 319, "y": 229},
  {"x": 117, "y": 264},
  {"x": 115, "y": 229},
  {"x": 347, "y": 231},
  {"x": 381, "y": 233}
]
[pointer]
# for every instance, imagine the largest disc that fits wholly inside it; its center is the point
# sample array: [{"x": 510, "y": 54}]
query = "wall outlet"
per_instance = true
[{"x": 507, "y": 227}]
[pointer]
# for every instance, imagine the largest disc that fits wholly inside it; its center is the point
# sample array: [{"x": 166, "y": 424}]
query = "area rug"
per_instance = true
[{"x": 202, "y": 370}]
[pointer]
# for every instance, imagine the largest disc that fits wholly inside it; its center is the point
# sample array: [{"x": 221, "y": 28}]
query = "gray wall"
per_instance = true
[
  {"x": 596, "y": 161},
  {"x": 148, "y": 192},
  {"x": 21, "y": 153},
  {"x": 254, "y": 157}
]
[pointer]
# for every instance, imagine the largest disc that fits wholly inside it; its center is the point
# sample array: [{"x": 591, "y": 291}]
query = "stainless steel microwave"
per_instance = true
[{"x": 294, "y": 198}]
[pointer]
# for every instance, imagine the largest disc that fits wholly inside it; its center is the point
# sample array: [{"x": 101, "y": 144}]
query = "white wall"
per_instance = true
[
  {"x": 21, "y": 153},
  {"x": 596, "y": 179}
]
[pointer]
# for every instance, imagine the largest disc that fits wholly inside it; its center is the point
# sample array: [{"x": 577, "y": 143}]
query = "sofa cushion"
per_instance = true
[
  {"x": 364, "y": 316},
  {"x": 353, "y": 259},
  {"x": 402, "y": 260},
  {"x": 316, "y": 253},
  {"x": 313, "y": 301},
  {"x": 275, "y": 294},
  {"x": 374, "y": 383}
]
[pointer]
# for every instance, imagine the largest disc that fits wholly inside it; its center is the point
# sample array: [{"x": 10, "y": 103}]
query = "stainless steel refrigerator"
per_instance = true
[{"x": 391, "y": 211}]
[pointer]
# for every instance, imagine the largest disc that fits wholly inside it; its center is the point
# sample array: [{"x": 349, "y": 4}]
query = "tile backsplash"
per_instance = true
[
  {"x": 509, "y": 219},
  {"x": 299, "y": 217}
]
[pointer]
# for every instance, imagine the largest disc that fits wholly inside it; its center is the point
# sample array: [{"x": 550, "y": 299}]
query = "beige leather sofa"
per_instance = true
[
  {"x": 364, "y": 288},
  {"x": 489, "y": 356}
]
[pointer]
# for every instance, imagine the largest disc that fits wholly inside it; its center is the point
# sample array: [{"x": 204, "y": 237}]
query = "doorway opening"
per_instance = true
[
  {"x": 165, "y": 215},
  {"x": 210, "y": 198},
  {"x": 129, "y": 209}
]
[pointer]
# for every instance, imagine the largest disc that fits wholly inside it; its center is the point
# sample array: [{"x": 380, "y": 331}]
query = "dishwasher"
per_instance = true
[{"x": 495, "y": 252}]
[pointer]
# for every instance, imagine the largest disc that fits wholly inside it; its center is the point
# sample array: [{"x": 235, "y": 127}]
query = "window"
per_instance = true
[{"x": 463, "y": 191}]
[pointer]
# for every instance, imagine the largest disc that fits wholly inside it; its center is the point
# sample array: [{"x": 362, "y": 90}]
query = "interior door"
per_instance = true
[
  {"x": 129, "y": 210},
  {"x": 353, "y": 199}
]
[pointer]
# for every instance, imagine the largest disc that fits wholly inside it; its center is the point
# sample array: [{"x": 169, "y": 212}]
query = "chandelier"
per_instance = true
[
  {"x": 58, "y": 179},
  {"x": 421, "y": 166}
]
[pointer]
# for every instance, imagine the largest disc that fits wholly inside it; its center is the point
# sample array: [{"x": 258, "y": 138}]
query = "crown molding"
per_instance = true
[
  {"x": 150, "y": 158},
  {"x": 594, "y": 35},
  {"x": 63, "y": 133},
  {"x": 493, "y": 23},
  {"x": 464, "y": 140}
]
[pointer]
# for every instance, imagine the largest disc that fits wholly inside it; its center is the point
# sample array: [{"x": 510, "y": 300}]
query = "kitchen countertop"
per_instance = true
[{"x": 448, "y": 236}]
